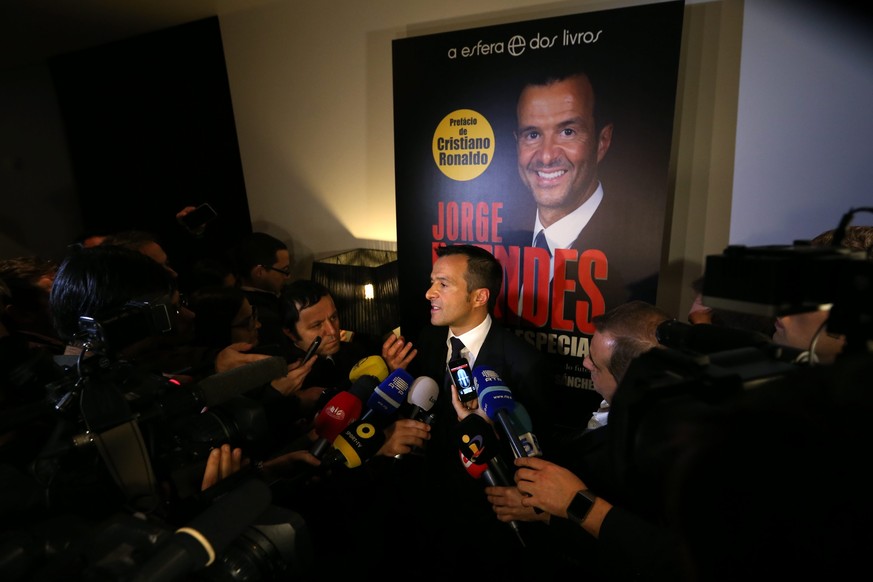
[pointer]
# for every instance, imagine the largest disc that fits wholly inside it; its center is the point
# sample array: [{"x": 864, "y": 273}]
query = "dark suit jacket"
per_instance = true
[
  {"x": 633, "y": 545},
  {"x": 465, "y": 540}
]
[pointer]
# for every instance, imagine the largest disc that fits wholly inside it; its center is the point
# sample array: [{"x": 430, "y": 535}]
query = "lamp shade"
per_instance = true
[{"x": 363, "y": 283}]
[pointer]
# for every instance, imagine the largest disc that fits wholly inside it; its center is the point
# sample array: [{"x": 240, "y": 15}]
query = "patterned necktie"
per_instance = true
[{"x": 540, "y": 242}]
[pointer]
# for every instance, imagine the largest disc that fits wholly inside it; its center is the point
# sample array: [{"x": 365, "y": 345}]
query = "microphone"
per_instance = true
[
  {"x": 363, "y": 387},
  {"x": 497, "y": 402},
  {"x": 389, "y": 395},
  {"x": 422, "y": 396},
  {"x": 369, "y": 366},
  {"x": 337, "y": 414},
  {"x": 357, "y": 443},
  {"x": 478, "y": 445},
  {"x": 524, "y": 425},
  {"x": 217, "y": 389},
  {"x": 196, "y": 545}
]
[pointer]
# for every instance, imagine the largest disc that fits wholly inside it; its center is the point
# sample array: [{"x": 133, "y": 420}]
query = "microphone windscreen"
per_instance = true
[
  {"x": 475, "y": 470},
  {"x": 520, "y": 418},
  {"x": 358, "y": 442},
  {"x": 391, "y": 393},
  {"x": 476, "y": 439},
  {"x": 363, "y": 387},
  {"x": 369, "y": 366},
  {"x": 219, "y": 388},
  {"x": 340, "y": 411},
  {"x": 423, "y": 392},
  {"x": 492, "y": 393}
]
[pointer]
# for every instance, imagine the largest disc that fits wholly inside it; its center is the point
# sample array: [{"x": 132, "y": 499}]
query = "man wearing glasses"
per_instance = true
[{"x": 263, "y": 267}]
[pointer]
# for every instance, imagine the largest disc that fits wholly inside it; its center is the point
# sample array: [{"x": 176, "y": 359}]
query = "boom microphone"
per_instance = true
[
  {"x": 196, "y": 545},
  {"x": 497, "y": 402},
  {"x": 369, "y": 366},
  {"x": 340, "y": 411},
  {"x": 389, "y": 395},
  {"x": 219, "y": 388}
]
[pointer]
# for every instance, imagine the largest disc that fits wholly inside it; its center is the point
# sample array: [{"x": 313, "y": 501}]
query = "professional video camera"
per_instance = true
[
  {"x": 121, "y": 461},
  {"x": 669, "y": 397}
]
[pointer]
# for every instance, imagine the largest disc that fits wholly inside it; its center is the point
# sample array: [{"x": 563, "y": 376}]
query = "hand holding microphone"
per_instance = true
[{"x": 496, "y": 401}]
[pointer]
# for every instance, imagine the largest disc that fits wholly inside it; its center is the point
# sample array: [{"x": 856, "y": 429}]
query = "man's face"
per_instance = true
[
  {"x": 273, "y": 277},
  {"x": 558, "y": 146},
  {"x": 450, "y": 302},
  {"x": 798, "y": 330},
  {"x": 322, "y": 320},
  {"x": 699, "y": 313},
  {"x": 599, "y": 355}
]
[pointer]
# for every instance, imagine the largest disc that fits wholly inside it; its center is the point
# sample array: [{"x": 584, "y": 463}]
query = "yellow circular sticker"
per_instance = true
[{"x": 463, "y": 145}]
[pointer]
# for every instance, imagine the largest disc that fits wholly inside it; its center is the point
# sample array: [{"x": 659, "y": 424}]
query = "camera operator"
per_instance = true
[
  {"x": 808, "y": 331},
  {"x": 594, "y": 524}
]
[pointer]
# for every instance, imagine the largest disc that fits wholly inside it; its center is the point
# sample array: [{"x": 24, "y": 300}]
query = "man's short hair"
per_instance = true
[
  {"x": 297, "y": 296},
  {"x": 483, "y": 270},
  {"x": 545, "y": 74},
  {"x": 22, "y": 275},
  {"x": 258, "y": 248},
  {"x": 633, "y": 325}
]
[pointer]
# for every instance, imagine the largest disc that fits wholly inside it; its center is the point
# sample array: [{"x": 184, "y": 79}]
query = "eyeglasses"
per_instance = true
[
  {"x": 286, "y": 271},
  {"x": 250, "y": 322}
]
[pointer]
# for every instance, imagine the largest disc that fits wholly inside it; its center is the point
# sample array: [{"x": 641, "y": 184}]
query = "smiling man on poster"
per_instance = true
[{"x": 563, "y": 134}]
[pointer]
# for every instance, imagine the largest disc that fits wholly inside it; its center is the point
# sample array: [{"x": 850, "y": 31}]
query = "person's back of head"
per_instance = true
[
  {"x": 633, "y": 327},
  {"x": 254, "y": 260},
  {"x": 210, "y": 272},
  {"x": 856, "y": 238},
  {"x": 144, "y": 242},
  {"x": 484, "y": 271},
  {"x": 94, "y": 281},
  {"x": 215, "y": 308},
  {"x": 28, "y": 282}
]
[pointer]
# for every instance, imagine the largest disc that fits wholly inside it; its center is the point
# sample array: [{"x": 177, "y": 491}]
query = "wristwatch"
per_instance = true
[{"x": 581, "y": 506}]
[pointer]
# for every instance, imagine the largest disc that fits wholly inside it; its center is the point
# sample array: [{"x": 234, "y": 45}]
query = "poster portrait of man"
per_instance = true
[{"x": 548, "y": 143}]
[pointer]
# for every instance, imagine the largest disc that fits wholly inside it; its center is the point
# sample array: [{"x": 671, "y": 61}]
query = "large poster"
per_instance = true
[{"x": 546, "y": 142}]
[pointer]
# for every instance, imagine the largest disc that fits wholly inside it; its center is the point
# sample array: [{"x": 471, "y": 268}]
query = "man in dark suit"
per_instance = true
[{"x": 465, "y": 539}]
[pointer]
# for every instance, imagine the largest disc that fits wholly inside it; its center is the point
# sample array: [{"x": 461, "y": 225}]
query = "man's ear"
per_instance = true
[
  {"x": 604, "y": 141},
  {"x": 480, "y": 297}
]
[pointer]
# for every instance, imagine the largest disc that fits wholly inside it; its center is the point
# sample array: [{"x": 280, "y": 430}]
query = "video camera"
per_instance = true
[
  {"x": 121, "y": 455},
  {"x": 671, "y": 395}
]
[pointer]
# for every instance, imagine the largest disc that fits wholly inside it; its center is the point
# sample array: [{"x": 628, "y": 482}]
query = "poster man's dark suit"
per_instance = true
[{"x": 618, "y": 230}]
